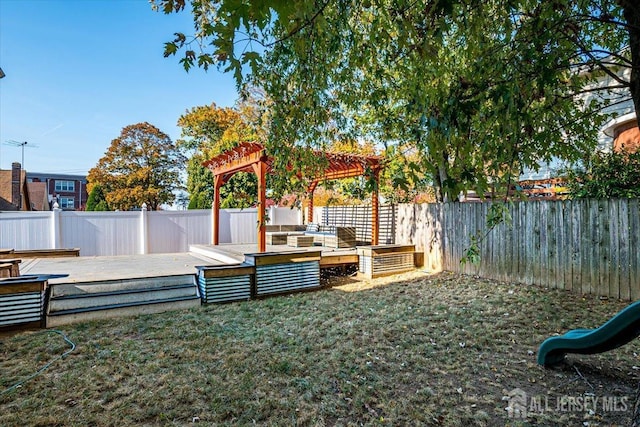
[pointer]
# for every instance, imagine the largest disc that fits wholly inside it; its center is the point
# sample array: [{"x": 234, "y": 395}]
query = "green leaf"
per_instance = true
[{"x": 170, "y": 48}]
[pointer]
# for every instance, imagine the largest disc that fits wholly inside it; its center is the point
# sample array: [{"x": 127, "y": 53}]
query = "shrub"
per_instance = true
[{"x": 607, "y": 175}]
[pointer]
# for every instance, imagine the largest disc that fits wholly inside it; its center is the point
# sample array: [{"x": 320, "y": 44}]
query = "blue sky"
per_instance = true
[{"x": 78, "y": 71}]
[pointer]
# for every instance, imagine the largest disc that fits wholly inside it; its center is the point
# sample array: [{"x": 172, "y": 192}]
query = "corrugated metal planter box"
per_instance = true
[
  {"x": 376, "y": 261},
  {"x": 285, "y": 272},
  {"x": 22, "y": 301},
  {"x": 225, "y": 283}
]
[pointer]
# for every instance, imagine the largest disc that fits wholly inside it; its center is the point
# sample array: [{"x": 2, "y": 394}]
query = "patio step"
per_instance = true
[{"x": 76, "y": 302}]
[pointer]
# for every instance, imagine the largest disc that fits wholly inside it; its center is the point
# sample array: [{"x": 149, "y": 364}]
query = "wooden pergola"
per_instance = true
[{"x": 250, "y": 156}]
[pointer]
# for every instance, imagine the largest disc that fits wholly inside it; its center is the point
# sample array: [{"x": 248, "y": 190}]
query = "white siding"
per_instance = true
[{"x": 619, "y": 104}]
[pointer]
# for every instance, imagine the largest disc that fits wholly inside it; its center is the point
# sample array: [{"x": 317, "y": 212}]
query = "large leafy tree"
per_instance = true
[
  {"x": 480, "y": 89},
  {"x": 350, "y": 190},
  {"x": 199, "y": 183},
  {"x": 206, "y": 132},
  {"x": 142, "y": 165},
  {"x": 402, "y": 181},
  {"x": 210, "y": 129}
]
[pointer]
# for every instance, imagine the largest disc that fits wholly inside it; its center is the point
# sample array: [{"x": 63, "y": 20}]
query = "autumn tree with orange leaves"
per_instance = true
[
  {"x": 210, "y": 130},
  {"x": 142, "y": 165}
]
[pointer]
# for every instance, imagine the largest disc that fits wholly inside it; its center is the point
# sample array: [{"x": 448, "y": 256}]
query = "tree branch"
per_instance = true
[
  {"x": 597, "y": 62},
  {"x": 597, "y": 89},
  {"x": 606, "y": 21},
  {"x": 302, "y": 26}
]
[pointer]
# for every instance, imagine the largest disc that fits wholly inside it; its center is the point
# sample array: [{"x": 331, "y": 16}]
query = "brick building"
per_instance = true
[
  {"x": 16, "y": 194},
  {"x": 70, "y": 191}
]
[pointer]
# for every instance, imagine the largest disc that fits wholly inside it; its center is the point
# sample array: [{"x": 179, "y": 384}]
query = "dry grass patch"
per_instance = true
[{"x": 412, "y": 349}]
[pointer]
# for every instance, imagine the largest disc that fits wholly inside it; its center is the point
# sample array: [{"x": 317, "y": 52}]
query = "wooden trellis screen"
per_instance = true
[{"x": 360, "y": 218}]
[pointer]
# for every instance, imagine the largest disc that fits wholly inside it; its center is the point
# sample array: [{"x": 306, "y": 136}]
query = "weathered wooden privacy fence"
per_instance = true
[{"x": 589, "y": 246}]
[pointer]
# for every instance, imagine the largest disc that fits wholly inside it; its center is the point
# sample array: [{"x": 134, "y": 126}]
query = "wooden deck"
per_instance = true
[
  {"x": 98, "y": 268},
  {"x": 88, "y": 288}
]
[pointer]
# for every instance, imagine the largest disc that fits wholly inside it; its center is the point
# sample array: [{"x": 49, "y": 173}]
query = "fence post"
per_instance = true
[
  {"x": 144, "y": 241},
  {"x": 55, "y": 226}
]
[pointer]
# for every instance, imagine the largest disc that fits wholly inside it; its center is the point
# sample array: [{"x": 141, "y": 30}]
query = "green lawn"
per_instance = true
[{"x": 412, "y": 349}]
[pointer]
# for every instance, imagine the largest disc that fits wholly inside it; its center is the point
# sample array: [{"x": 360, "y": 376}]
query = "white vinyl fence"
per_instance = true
[
  {"x": 26, "y": 230},
  {"x": 99, "y": 233},
  {"x": 238, "y": 225},
  {"x": 128, "y": 233}
]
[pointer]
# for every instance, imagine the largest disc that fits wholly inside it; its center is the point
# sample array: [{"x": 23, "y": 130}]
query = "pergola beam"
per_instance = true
[
  {"x": 243, "y": 164},
  {"x": 350, "y": 173}
]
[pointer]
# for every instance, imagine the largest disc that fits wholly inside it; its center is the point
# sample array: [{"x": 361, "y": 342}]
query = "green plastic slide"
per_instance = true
[{"x": 619, "y": 330}]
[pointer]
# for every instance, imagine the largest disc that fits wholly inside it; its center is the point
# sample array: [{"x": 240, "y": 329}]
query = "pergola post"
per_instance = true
[
  {"x": 260, "y": 170},
  {"x": 375, "y": 220},
  {"x": 312, "y": 189},
  {"x": 217, "y": 183}
]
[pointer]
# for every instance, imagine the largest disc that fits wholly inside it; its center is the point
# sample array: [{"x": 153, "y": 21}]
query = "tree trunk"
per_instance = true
[
  {"x": 631, "y": 11},
  {"x": 442, "y": 178}
]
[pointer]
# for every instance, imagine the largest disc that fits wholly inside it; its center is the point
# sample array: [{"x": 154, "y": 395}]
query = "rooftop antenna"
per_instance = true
[{"x": 22, "y": 145}]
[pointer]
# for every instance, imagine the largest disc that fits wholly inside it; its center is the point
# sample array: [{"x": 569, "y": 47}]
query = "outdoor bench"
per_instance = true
[
  {"x": 299, "y": 241},
  {"x": 277, "y": 234}
]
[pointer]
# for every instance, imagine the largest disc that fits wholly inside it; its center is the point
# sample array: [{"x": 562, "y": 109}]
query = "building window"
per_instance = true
[
  {"x": 67, "y": 186},
  {"x": 66, "y": 202}
]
